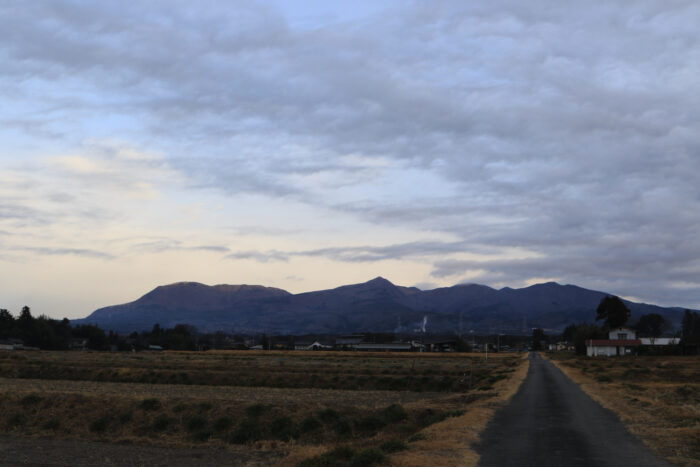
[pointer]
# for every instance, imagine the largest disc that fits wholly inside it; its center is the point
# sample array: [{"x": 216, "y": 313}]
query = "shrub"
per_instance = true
[
  {"x": 328, "y": 415},
  {"x": 125, "y": 417},
  {"x": 604, "y": 379},
  {"x": 222, "y": 424},
  {"x": 309, "y": 424},
  {"x": 416, "y": 437},
  {"x": 370, "y": 423},
  {"x": 255, "y": 410},
  {"x": 686, "y": 391},
  {"x": 30, "y": 399},
  {"x": 52, "y": 424},
  {"x": 247, "y": 431},
  {"x": 15, "y": 420},
  {"x": 201, "y": 436},
  {"x": 393, "y": 446},
  {"x": 161, "y": 423},
  {"x": 99, "y": 425},
  {"x": 394, "y": 413},
  {"x": 338, "y": 456},
  {"x": 150, "y": 404},
  {"x": 195, "y": 423},
  {"x": 368, "y": 457},
  {"x": 342, "y": 428},
  {"x": 282, "y": 428},
  {"x": 204, "y": 406}
]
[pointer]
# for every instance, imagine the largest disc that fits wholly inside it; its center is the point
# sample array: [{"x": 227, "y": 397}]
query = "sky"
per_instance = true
[{"x": 310, "y": 144}]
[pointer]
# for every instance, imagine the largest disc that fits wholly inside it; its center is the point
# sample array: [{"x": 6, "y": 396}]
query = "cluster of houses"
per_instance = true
[
  {"x": 355, "y": 342},
  {"x": 14, "y": 344},
  {"x": 360, "y": 343}
]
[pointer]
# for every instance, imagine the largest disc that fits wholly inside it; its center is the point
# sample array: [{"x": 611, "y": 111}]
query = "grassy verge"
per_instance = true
[{"x": 657, "y": 398}]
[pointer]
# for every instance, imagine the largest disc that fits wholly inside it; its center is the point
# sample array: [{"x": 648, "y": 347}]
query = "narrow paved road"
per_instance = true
[{"x": 551, "y": 422}]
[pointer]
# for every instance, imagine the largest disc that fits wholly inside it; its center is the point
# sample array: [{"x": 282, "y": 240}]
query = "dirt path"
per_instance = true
[
  {"x": 15, "y": 451},
  {"x": 551, "y": 421}
]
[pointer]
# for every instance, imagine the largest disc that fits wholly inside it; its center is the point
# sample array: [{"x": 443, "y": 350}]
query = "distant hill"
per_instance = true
[{"x": 374, "y": 306}]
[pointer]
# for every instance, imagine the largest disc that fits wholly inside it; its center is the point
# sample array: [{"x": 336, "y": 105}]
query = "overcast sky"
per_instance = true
[{"x": 307, "y": 144}]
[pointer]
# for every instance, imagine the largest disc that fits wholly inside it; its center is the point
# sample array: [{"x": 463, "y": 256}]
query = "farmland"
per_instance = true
[
  {"x": 658, "y": 398},
  {"x": 288, "y": 406}
]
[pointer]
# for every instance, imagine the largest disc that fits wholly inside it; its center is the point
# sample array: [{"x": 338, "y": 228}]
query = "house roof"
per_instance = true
[{"x": 615, "y": 342}]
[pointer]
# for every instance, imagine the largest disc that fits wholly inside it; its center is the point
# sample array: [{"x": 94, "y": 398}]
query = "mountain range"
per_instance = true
[{"x": 373, "y": 306}]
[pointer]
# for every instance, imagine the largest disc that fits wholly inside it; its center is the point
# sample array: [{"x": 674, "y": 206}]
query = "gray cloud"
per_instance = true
[
  {"x": 260, "y": 256},
  {"x": 359, "y": 254},
  {"x": 165, "y": 245},
  {"x": 568, "y": 130},
  {"x": 48, "y": 251}
]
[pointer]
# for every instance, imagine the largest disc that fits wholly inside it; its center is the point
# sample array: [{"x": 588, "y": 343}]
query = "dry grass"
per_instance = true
[
  {"x": 657, "y": 398},
  {"x": 330, "y": 370},
  {"x": 90, "y": 396}
]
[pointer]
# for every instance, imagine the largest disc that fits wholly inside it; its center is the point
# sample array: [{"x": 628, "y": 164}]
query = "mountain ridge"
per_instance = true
[{"x": 377, "y": 305}]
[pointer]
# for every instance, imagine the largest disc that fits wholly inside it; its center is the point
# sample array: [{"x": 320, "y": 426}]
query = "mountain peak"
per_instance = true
[{"x": 379, "y": 280}]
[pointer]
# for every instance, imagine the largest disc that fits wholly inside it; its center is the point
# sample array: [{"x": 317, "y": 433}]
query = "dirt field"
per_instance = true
[
  {"x": 658, "y": 398},
  {"x": 353, "y": 407}
]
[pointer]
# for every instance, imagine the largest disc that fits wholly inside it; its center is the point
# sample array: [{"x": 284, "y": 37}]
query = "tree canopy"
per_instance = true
[
  {"x": 613, "y": 312},
  {"x": 651, "y": 325}
]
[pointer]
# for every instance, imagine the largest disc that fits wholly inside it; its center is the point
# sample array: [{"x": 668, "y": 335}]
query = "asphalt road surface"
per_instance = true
[{"x": 551, "y": 422}]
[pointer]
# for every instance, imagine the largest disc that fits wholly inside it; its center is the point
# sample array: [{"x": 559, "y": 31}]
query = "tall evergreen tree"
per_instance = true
[{"x": 613, "y": 312}]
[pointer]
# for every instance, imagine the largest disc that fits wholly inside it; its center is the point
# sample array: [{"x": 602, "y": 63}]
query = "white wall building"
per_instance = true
[{"x": 620, "y": 341}]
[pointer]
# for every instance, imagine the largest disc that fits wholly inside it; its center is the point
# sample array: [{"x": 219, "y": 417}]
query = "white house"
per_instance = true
[{"x": 620, "y": 341}]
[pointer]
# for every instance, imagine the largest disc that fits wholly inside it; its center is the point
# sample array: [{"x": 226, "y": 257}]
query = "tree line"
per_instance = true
[{"x": 50, "y": 334}]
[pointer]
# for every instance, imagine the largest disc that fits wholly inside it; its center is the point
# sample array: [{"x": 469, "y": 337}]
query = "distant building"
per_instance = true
[
  {"x": 78, "y": 344},
  {"x": 559, "y": 346},
  {"x": 348, "y": 342},
  {"x": 388, "y": 347},
  {"x": 660, "y": 340},
  {"x": 621, "y": 341},
  {"x": 11, "y": 344},
  {"x": 315, "y": 345},
  {"x": 440, "y": 344}
]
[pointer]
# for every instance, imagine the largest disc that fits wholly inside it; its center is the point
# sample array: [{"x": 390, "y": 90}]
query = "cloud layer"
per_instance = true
[{"x": 500, "y": 143}]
